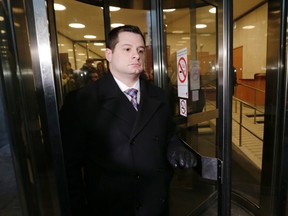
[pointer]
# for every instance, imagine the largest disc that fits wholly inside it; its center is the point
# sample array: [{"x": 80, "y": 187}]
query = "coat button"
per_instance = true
[
  {"x": 160, "y": 170},
  {"x": 156, "y": 138},
  {"x": 138, "y": 206},
  {"x": 132, "y": 142}
]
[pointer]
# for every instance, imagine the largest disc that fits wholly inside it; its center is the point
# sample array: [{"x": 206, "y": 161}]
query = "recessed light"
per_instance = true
[
  {"x": 115, "y": 25},
  {"x": 201, "y": 26},
  {"x": 17, "y": 10},
  {"x": 59, "y": 7},
  {"x": 77, "y": 25},
  {"x": 248, "y": 27},
  {"x": 112, "y": 8},
  {"x": 205, "y": 35},
  {"x": 178, "y": 32},
  {"x": 212, "y": 10},
  {"x": 169, "y": 10},
  {"x": 98, "y": 44},
  {"x": 89, "y": 36}
]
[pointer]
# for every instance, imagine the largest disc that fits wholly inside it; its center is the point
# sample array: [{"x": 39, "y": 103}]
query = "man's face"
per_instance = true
[{"x": 128, "y": 56}]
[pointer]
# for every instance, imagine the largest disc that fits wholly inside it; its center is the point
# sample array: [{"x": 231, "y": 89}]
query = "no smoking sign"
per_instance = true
[
  {"x": 182, "y": 70},
  {"x": 182, "y": 73}
]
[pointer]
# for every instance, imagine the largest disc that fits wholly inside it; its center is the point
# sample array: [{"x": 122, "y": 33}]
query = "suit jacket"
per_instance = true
[{"x": 116, "y": 157}]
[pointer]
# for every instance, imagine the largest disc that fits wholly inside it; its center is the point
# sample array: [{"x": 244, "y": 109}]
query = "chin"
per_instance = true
[{"x": 137, "y": 71}]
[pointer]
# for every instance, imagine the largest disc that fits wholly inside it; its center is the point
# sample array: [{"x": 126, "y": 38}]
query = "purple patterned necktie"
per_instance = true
[{"x": 133, "y": 94}]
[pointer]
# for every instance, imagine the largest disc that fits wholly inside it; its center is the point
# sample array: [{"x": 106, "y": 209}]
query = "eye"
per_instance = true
[
  {"x": 127, "y": 49},
  {"x": 141, "y": 51}
]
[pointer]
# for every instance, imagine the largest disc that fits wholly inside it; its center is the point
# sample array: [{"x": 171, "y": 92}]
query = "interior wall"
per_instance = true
[{"x": 253, "y": 41}]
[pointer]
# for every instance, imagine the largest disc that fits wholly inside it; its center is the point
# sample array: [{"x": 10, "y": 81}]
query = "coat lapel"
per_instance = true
[
  {"x": 115, "y": 100},
  {"x": 149, "y": 103}
]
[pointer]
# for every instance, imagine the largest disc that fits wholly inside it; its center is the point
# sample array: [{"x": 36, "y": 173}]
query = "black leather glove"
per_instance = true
[{"x": 182, "y": 158}]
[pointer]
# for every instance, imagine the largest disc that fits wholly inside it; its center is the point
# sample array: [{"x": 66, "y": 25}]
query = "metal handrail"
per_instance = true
[
  {"x": 241, "y": 117},
  {"x": 240, "y": 122},
  {"x": 251, "y": 87},
  {"x": 255, "y": 95}
]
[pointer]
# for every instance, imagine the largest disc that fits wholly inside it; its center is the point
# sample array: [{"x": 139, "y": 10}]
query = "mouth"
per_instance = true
[{"x": 136, "y": 65}]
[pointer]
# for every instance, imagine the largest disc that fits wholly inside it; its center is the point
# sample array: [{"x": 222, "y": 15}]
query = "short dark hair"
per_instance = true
[{"x": 112, "y": 39}]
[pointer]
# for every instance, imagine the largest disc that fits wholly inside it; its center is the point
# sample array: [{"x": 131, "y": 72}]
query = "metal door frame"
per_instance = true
[{"x": 224, "y": 68}]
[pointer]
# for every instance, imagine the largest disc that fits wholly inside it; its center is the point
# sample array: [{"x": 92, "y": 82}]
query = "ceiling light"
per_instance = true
[
  {"x": 89, "y": 36},
  {"x": 98, "y": 44},
  {"x": 115, "y": 25},
  {"x": 248, "y": 27},
  {"x": 81, "y": 54},
  {"x": 17, "y": 10},
  {"x": 201, "y": 26},
  {"x": 76, "y": 25},
  {"x": 103, "y": 49},
  {"x": 59, "y": 7},
  {"x": 205, "y": 35},
  {"x": 185, "y": 38},
  {"x": 169, "y": 10},
  {"x": 212, "y": 10},
  {"x": 178, "y": 32},
  {"x": 1, "y": 18},
  {"x": 112, "y": 8}
]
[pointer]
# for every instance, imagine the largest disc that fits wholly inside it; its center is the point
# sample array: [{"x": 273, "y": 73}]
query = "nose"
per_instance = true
[{"x": 136, "y": 54}]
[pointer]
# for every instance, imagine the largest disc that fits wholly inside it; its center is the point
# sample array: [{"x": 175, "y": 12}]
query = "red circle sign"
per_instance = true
[{"x": 182, "y": 69}]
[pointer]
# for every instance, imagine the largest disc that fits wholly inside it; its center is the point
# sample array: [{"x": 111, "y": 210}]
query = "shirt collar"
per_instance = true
[{"x": 124, "y": 87}]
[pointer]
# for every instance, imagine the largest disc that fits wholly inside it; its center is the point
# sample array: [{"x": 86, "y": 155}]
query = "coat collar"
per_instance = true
[{"x": 118, "y": 103}]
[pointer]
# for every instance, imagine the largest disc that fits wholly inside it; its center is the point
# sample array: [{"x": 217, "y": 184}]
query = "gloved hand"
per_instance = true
[{"x": 182, "y": 158}]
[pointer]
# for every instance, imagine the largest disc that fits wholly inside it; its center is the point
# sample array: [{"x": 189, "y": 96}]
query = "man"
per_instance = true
[
  {"x": 117, "y": 155},
  {"x": 87, "y": 70}
]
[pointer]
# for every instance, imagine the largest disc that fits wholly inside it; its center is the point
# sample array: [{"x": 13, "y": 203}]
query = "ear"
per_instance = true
[{"x": 108, "y": 54}]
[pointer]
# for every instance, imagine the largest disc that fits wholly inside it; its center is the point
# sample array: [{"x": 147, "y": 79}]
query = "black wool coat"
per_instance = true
[{"x": 116, "y": 157}]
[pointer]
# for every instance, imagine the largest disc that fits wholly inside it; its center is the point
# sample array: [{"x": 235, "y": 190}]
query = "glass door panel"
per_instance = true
[
  {"x": 81, "y": 41},
  {"x": 249, "y": 61},
  {"x": 191, "y": 36}
]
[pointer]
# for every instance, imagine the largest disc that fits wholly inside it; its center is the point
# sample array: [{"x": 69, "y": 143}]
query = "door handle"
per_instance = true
[{"x": 207, "y": 167}]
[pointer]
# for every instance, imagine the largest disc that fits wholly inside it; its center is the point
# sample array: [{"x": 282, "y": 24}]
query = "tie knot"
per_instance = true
[{"x": 132, "y": 92}]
